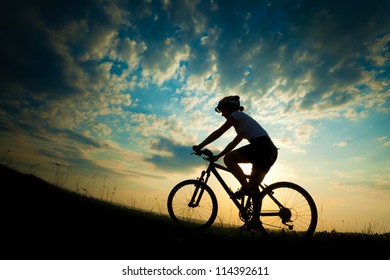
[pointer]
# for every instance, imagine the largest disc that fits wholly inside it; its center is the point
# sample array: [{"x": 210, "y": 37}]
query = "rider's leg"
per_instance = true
[
  {"x": 232, "y": 160},
  {"x": 257, "y": 176}
]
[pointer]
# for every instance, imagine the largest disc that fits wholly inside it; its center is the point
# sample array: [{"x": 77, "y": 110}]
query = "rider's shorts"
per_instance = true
[{"x": 261, "y": 152}]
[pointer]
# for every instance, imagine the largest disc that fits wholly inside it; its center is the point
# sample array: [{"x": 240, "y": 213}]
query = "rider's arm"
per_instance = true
[
  {"x": 217, "y": 133},
  {"x": 230, "y": 146}
]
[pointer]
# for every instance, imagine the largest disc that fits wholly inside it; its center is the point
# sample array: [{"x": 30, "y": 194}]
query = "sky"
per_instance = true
[{"x": 108, "y": 97}]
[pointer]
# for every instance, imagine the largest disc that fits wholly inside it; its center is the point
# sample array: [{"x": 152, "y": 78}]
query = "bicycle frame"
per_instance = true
[
  {"x": 280, "y": 206},
  {"x": 213, "y": 168}
]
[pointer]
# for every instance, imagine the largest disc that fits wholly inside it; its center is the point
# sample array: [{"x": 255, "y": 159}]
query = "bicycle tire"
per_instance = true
[
  {"x": 201, "y": 216},
  {"x": 299, "y": 209}
]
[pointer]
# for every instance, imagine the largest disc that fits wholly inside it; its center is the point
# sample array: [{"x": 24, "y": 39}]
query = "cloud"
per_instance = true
[
  {"x": 304, "y": 132},
  {"x": 341, "y": 144},
  {"x": 230, "y": 46},
  {"x": 175, "y": 158},
  {"x": 148, "y": 74},
  {"x": 383, "y": 139},
  {"x": 163, "y": 63}
]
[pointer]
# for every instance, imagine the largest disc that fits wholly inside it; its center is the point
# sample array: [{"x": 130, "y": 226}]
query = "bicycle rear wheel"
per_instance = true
[
  {"x": 288, "y": 208},
  {"x": 193, "y": 204}
]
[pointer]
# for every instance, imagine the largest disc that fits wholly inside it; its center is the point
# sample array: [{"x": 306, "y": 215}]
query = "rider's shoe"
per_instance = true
[
  {"x": 251, "y": 225},
  {"x": 255, "y": 225},
  {"x": 244, "y": 227}
]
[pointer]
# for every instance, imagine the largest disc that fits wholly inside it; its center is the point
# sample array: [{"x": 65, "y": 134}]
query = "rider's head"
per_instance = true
[{"x": 231, "y": 102}]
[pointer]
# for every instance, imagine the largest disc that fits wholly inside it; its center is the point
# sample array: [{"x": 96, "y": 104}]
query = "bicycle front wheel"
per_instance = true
[
  {"x": 193, "y": 204},
  {"x": 287, "y": 208}
]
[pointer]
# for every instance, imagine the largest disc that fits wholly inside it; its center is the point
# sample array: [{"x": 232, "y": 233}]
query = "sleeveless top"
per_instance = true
[{"x": 247, "y": 127}]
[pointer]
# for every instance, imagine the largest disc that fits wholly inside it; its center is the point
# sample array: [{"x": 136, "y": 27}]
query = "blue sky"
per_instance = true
[{"x": 117, "y": 92}]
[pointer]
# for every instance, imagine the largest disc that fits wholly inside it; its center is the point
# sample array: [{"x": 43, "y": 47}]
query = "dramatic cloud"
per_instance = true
[{"x": 130, "y": 86}]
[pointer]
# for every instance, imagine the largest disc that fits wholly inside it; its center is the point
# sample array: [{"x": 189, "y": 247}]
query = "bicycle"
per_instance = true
[{"x": 281, "y": 206}]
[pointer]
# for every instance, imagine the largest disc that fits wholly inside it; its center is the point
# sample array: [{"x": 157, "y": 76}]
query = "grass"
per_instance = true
[{"x": 44, "y": 221}]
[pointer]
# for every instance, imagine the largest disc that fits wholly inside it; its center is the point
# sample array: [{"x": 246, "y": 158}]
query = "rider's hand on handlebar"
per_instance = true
[{"x": 197, "y": 150}]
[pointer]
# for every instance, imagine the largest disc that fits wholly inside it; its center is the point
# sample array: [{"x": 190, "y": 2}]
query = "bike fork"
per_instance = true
[
  {"x": 198, "y": 191},
  {"x": 196, "y": 196}
]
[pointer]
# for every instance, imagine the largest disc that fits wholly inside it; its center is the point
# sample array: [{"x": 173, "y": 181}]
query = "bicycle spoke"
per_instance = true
[
  {"x": 200, "y": 212},
  {"x": 298, "y": 214}
]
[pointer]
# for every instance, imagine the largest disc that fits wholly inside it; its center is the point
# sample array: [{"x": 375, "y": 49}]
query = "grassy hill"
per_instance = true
[{"x": 42, "y": 221}]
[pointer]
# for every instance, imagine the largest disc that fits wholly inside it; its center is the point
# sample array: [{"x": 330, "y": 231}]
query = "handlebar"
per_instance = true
[{"x": 209, "y": 154}]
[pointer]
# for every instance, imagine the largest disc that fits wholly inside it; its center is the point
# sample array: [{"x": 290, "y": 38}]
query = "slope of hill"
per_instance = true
[{"x": 42, "y": 221}]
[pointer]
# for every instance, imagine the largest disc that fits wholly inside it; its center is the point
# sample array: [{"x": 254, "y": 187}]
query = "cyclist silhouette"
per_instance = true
[{"x": 260, "y": 151}]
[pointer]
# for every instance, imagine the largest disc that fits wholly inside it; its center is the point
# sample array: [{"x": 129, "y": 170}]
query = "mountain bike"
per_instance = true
[{"x": 281, "y": 206}]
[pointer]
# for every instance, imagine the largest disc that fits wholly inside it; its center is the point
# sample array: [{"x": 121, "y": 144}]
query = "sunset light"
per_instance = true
[{"x": 107, "y": 97}]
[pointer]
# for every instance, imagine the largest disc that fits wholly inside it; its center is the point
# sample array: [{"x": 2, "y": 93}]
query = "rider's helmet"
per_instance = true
[{"x": 233, "y": 100}]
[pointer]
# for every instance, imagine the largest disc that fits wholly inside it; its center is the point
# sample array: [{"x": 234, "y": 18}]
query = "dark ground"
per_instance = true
[{"x": 40, "y": 221}]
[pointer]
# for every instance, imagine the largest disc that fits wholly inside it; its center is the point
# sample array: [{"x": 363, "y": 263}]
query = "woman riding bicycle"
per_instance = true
[{"x": 260, "y": 151}]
